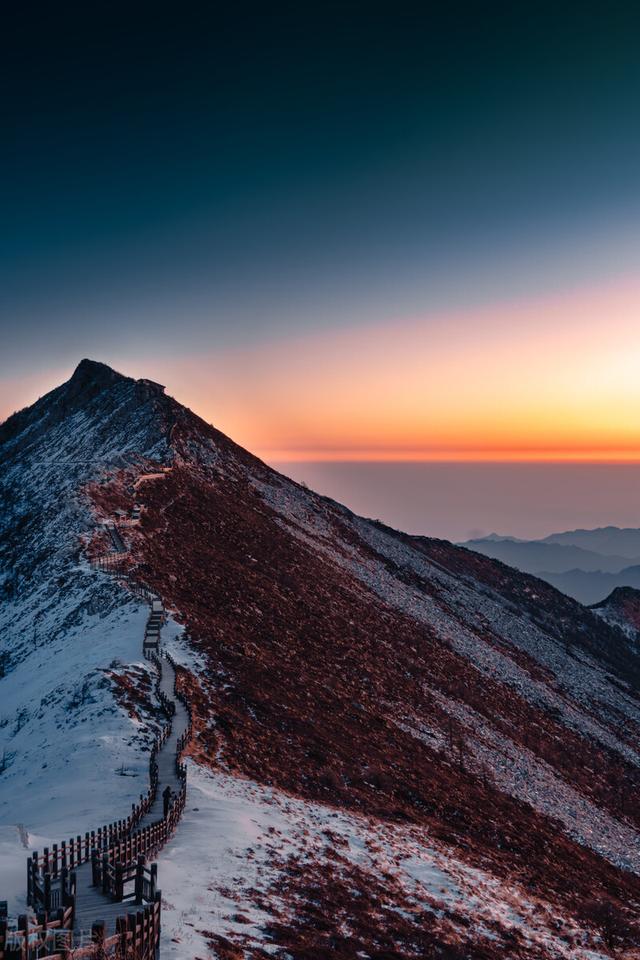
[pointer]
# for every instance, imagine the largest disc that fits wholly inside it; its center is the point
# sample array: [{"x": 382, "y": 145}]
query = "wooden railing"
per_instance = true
[
  {"x": 124, "y": 861},
  {"x": 186, "y": 736},
  {"x": 137, "y": 937},
  {"x": 136, "y": 588},
  {"x": 44, "y": 935},
  {"x": 168, "y": 706},
  {"x": 121, "y": 565},
  {"x": 114, "y": 878},
  {"x": 46, "y": 870},
  {"x": 110, "y": 562},
  {"x": 117, "y": 851},
  {"x": 49, "y": 892}
]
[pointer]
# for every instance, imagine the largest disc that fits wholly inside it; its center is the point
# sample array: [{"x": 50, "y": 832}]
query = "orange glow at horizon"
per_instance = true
[
  {"x": 553, "y": 380},
  {"x": 610, "y": 457}
]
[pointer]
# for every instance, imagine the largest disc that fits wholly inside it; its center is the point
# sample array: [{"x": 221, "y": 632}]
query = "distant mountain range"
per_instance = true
[
  {"x": 585, "y": 564},
  {"x": 623, "y": 541}
]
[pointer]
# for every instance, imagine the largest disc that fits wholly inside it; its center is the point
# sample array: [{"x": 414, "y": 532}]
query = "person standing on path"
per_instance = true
[{"x": 166, "y": 799}]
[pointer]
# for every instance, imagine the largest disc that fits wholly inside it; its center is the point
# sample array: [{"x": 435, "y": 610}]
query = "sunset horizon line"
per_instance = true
[{"x": 608, "y": 458}]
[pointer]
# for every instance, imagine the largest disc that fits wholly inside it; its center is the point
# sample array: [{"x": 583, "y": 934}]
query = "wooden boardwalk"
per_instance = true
[
  {"x": 98, "y": 890},
  {"x": 91, "y": 905},
  {"x": 116, "y": 539}
]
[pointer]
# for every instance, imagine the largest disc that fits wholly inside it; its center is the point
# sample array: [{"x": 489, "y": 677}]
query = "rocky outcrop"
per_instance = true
[{"x": 622, "y": 609}]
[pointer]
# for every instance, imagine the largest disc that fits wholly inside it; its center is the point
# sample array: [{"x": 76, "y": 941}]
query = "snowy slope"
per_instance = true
[
  {"x": 402, "y": 748},
  {"x": 73, "y": 752},
  {"x": 260, "y": 842}
]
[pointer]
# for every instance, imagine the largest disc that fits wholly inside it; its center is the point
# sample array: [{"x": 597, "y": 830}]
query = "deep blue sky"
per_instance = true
[{"x": 177, "y": 182}]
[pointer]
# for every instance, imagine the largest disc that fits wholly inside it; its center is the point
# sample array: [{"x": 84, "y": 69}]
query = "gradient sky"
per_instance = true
[{"x": 344, "y": 231}]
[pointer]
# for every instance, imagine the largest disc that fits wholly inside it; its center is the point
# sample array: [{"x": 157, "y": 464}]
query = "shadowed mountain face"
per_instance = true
[
  {"x": 457, "y": 739},
  {"x": 622, "y": 609}
]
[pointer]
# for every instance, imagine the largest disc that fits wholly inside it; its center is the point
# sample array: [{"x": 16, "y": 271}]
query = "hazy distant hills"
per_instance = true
[
  {"x": 621, "y": 541},
  {"x": 593, "y": 587},
  {"x": 532, "y": 556},
  {"x": 585, "y": 564}
]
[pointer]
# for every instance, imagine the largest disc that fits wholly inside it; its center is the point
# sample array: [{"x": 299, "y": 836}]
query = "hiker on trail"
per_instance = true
[{"x": 166, "y": 798}]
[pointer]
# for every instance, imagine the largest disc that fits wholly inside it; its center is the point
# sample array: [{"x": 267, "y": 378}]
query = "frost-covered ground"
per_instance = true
[
  {"x": 224, "y": 875},
  {"x": 470, "y": 620},
  {"x": 66, "y": 744},
  {"x": 73, "y": 758},
  {"x": 74, "y": 735},
  {"x": 519, "y": 772}
]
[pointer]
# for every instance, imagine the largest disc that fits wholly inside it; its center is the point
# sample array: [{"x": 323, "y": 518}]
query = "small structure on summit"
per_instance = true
[
  {"x": 146, "y": 389},
  {"x": 156, "y": 387}
]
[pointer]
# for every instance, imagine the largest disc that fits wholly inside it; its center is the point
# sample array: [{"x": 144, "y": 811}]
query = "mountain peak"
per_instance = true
[
  {"x": 94, "y": 388},
  {"x": 620, "y": 596},
  {"x": 92, "y": 371}
]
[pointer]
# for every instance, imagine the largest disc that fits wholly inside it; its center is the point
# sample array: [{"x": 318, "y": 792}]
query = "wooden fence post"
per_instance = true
[
  {"x": 23, "y": 928},
  {"x": 118, "y": 893},
  {"x": 139, "y": 888},
  {"x": 47, "y": 891},
  {"x": 140, "y": 927},
  {"x": 105, "y": 873},
  {"x": 121, "y": 931},
  {"x": 97, "y": 937},
  {"x": 153, "y": 882},
  {"x": 133, "y": 939},
  {"x": 95, "y": 868},
  {"x": 30, "y": 883},
  {"x": 71, "y": 894},
  {"x": 157, "y": 900}
]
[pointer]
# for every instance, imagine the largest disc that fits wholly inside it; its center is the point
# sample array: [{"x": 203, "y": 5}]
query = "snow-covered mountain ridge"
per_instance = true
[
  {"x": 402, "y": 749},
  {"x": 70, "y": 756}
]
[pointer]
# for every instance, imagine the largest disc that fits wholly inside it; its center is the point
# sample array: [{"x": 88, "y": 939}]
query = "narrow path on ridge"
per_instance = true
[
  {"x": 91, "y": 905},
  {"x": 98, "y": 891}
]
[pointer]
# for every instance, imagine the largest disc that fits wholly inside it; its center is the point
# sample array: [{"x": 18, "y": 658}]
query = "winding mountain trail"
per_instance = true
[
  {"x": 91, "y": 905},
  {"x": 116, "y": 539},
  {"x": 86, "y": 887}
]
